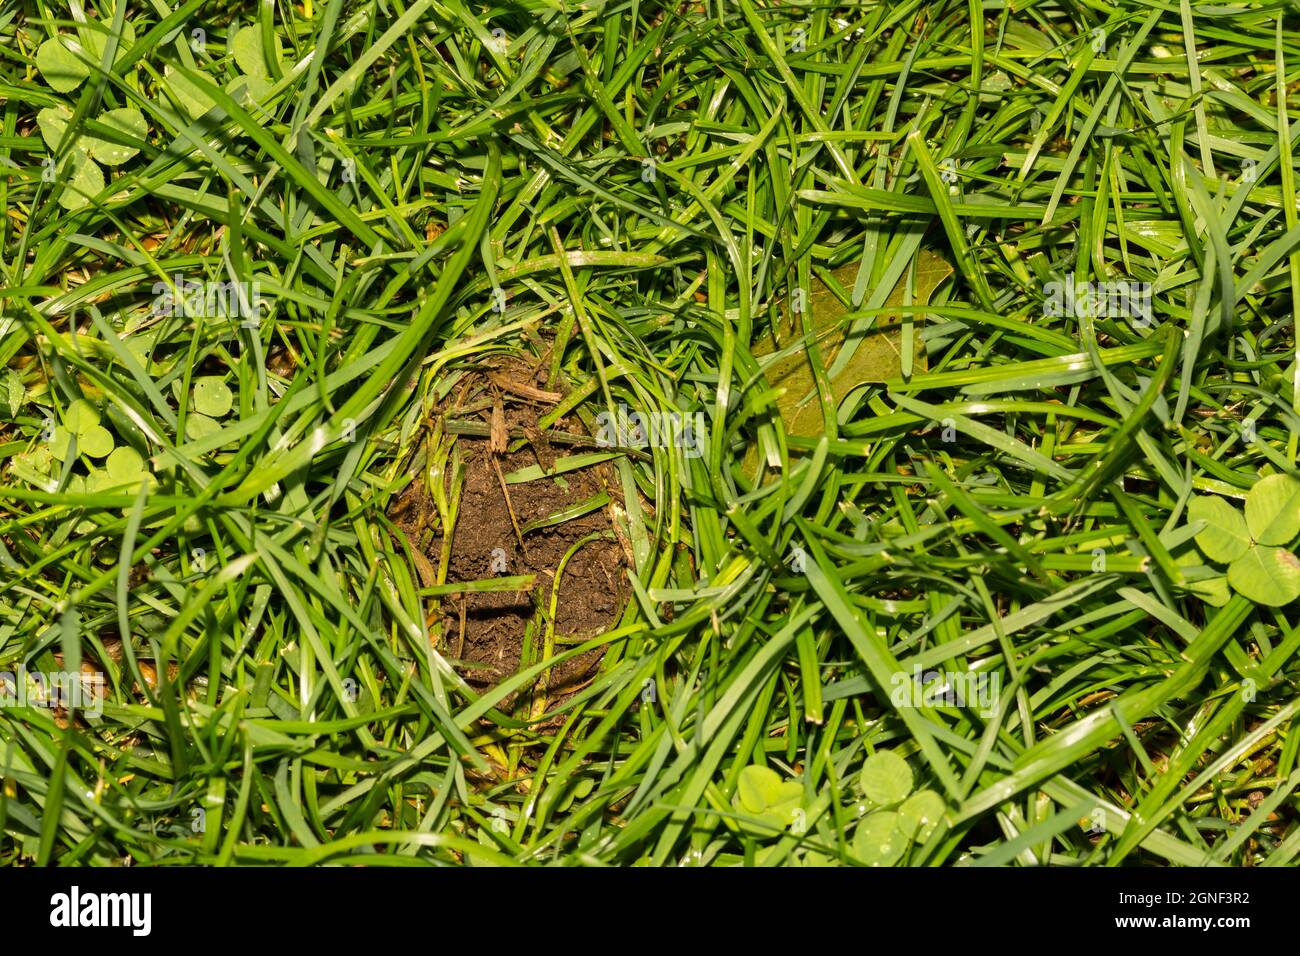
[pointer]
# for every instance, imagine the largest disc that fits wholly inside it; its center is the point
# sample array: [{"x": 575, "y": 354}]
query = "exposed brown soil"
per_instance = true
[{"x": 483, "y": 634}]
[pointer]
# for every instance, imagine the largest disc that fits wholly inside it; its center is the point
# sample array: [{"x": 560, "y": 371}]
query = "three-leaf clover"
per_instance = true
[
  {"x": 81, "y": 420},
  {"x": 123, "y": 470},
  {"x": 1253, "y": 547},
  {"x": 249, "y": 53},
  {"x": 212, "y": 400},
  {"x": 63, "y": 62},
  {"x": 901, "y": 817},
  {"x": 762, "y": 794},
  {"x": 62, "y": 59},
  {"x": 252, "y": 85}
]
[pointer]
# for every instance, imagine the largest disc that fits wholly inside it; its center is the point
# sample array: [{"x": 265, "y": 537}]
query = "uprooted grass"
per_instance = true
[{"x": 643, "y": 183}]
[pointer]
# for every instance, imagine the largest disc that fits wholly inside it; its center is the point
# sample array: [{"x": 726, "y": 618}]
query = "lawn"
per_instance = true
[{"x": 587, "y": 433}]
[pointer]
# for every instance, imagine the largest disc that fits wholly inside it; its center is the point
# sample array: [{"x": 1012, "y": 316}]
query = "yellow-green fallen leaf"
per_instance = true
[{"x": 878, "y": 356}]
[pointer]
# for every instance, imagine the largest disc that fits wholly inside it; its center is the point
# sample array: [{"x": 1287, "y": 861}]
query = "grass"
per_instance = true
[{"x": 646, "y": 184}]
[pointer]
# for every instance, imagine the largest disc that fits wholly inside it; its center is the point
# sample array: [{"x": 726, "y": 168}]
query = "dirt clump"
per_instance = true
[{"x": 492, "y": 635}]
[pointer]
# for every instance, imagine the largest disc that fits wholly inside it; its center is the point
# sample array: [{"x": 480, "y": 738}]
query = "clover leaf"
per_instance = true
[
  {"x": 1214, "y": 591},
  {"x": 128, "y": 121},
  {"x": 578, "y": 791},
  {"x": 1259, "y": 568},
  {"x": 123, "y": 471},
  {"x": 920, "y": 814},
  {"x": 86, "y": 182},
  {"x": 81, "y": 420},
  {"x": 1268, "y": 576},
  {"x": 246, "y": 47},
  {"x": 212, "y": 396},
  {"x": 250, "y": 56},
  {"x": 58, "y": 61},
  {"x": 761, "y": 793},
  {"x": 252, "y": 85},
  {"x": 879, "y": 840},
  {"x": 886, "y": 778},
  {"x": 1225, "y": 537},
  {"x": 125, "y": 467},
  {"x": 80, "y": 416},
  {"x": 193, "y": 100},
  {"x": 883, "y": 835},
  {"x": 1273, "y": 510},
  {"x": 63, "y": 62},
  {"x": 198, "y": 425},
  {"x": 96, "y": 40},
  {"x": 97, "y": 442}
]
